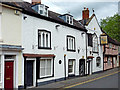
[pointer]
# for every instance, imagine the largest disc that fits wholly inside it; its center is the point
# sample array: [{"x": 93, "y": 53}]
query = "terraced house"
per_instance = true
[
  {"x": 52, "y": 45},
  {"x": 10, "y": 46}
]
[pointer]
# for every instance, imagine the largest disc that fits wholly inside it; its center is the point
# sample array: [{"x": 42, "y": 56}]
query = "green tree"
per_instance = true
[{"x": 111, "y": 25}]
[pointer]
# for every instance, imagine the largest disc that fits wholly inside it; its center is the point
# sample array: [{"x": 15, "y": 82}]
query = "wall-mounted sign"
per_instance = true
[{"x": 103, "y": 39}]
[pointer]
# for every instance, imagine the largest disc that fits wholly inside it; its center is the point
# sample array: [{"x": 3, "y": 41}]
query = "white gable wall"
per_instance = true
[{"x": 93, "y": 24}]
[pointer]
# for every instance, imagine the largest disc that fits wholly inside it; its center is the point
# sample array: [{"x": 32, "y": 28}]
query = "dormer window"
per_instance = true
[
  {"x": 67, "y": 18},
  {"x": 41, "y": 9}
]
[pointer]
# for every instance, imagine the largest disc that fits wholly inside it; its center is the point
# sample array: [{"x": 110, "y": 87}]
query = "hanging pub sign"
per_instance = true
[{"x": 103, "y": 39}]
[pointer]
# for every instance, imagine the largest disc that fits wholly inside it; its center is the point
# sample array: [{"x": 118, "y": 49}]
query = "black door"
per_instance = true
[
  {"x": 82, "y": 67},
  {"x": 29, "y": 73},
  {"x": 88, "y": 67}
]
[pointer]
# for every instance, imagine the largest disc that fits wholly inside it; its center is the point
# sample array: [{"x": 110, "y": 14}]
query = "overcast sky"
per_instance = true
[{"x": 102, "y": 8}]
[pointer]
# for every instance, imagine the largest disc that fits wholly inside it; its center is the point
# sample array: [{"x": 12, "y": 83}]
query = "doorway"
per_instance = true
[
  {"x": 82, "y": 67},
  {"x": 29, "y": 72},
  {"x": 9, "y": 72}
]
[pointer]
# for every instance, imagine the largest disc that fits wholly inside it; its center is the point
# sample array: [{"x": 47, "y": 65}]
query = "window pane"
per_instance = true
[
  {"x": 46, "y": 40},
  {"x": 70, "y": 62},
  {"x": 48, "y": 71},
  {"x": 42, "y": 72},
  {"x": 42, "y": 63},
  {"x": 39, "y": 39},
  {"x": 43, "y": 40},
  {"x": 90, "y": 40},
  {"x": 42, "y": 67}
]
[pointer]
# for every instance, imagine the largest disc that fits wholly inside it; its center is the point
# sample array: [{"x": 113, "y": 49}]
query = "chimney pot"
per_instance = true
[{"x": 36, "y": 2}]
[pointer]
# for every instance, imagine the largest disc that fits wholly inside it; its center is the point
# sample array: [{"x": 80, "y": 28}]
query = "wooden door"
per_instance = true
[
  {"x": 9, "y": 72},
  {"x": 29, "y": 73},
  {"x": 82, "y": 67}
]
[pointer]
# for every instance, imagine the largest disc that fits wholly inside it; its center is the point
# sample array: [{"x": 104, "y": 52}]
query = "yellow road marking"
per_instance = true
[{"x": 91, "y": 80}]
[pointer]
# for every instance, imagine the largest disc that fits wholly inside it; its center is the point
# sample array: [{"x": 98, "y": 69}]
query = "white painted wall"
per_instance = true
[
  {"x": 93, "y": 24},
  {"x": 0, "y": 21},
  {"x": 30, "y": 28}
]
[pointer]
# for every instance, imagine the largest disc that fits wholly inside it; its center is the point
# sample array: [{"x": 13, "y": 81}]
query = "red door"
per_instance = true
[{"x": 8, "y": 79}]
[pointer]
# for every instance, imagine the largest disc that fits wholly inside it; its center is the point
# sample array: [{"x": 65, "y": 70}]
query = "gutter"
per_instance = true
[{"x": 11, "y": 6}]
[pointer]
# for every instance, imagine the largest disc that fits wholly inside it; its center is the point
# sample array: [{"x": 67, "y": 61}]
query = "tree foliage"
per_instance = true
[{"x": 111, "y": 25}]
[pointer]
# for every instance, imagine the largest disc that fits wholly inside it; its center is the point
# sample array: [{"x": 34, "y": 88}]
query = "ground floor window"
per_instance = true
[
  {"x": 109, "y": 61},
  {"x": 98, "y": 61},
  {"x": 114, "y": 60},
  {"x": 46, "y": 67},
  {"x": 71, "y": 66}
]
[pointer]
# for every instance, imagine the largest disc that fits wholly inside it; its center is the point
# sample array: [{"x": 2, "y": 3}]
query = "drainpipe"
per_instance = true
[
  {"x": 86, "y": 54},
  {"x": 65, "y": 65},
  {"x": 25, "y": 70},
  {"x": 103, "y": 57}
]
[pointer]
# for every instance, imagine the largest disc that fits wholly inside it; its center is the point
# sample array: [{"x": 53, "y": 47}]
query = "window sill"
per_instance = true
[
  {"x": 90, "y": 46},
  {"x": 95, "y": 52},
  {"x": 46, "y": 77},
  {"x": 44, "y": 48},
  {"x": 71, "y": 75},
  {"x": 71, "y": 50}
]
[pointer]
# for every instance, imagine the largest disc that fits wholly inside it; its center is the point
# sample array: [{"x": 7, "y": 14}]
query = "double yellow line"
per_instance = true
[{"x": 91, "y": 80}]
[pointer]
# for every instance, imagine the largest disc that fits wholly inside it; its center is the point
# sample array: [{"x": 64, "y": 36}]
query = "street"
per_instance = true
[
  {"x": 106, "y": 79},
  {"x": 106, "y": 82}
]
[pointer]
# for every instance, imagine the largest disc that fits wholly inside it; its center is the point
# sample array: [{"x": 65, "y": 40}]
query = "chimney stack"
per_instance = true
[
  {"x": 36, "y": 2},
  {"x": 85, "y": 14}
]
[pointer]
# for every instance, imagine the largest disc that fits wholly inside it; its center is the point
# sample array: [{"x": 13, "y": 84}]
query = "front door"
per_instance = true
[
  {"x": 9, "y": 72},
  {"x": 82, "y": 67},
  {"x": 29, "y": 73}
]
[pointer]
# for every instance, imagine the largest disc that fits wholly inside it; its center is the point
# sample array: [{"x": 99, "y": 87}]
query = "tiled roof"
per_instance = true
[{"x": 52, "y": 16}]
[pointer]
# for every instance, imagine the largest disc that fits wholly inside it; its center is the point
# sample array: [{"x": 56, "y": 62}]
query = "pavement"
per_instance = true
[{"x": 79, "y": 82}]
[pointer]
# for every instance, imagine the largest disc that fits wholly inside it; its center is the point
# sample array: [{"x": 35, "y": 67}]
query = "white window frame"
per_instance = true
[
  {"x": 69, "y": 19},
  {"x": 73, "y": 67},
  {"x": 70, "y": 43},
  {"x": 45, "y": 67},
  {"x": 42, "y": 41}
]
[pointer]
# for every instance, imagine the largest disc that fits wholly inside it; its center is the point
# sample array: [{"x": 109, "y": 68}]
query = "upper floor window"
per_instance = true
[
  {"x": 119, "y": 48},
  {"x": 44, "y": 39},
  {"x": 67, "y": 18},
  {"x": 95, "y": 44},
  {"x": 110, "y": 45},
  {"x": 90, "y": 40},
  {"x": 41, "y": 9},
  {"x": 70, "y": 43}
]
